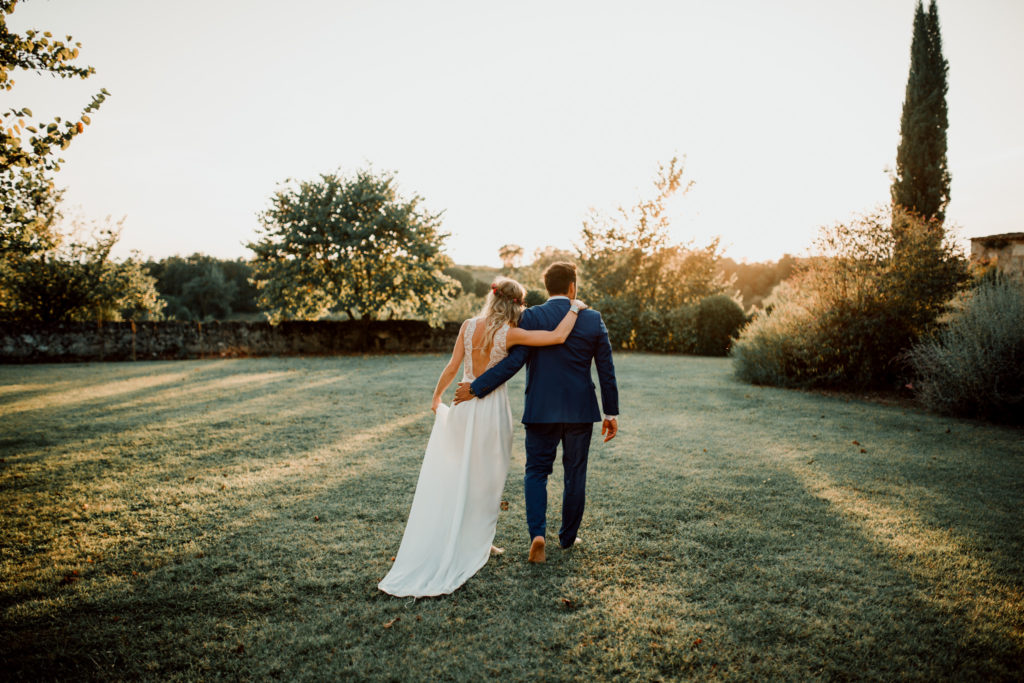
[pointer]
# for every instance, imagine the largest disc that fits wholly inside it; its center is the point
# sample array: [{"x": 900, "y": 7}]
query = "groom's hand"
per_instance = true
[
  {"x": 609, "y": 428},
  {"x": 462, "y": 393}
]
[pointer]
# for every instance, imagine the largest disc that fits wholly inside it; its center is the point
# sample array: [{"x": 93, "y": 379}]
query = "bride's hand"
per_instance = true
[
  {"x": 435, "y": 404},
  {"x": 580, "y": 304}
]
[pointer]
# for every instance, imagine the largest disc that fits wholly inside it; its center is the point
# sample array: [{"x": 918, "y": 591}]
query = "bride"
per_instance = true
[{"x": 455, "y": 508}]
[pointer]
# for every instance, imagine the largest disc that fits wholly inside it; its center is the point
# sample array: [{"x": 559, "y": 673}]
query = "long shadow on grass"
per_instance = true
[
  {"x": 754, "y": 574},
  {"x": 207, "y": 413},
  {"x": 287, "y": 543}
]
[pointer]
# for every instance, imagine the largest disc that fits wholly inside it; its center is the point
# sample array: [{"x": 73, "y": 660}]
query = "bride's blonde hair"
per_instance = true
[{"x": 503, "y": 305}]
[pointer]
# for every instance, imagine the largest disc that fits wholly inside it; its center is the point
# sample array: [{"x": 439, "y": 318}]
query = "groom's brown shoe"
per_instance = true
[{"x": 537, "y": 550}]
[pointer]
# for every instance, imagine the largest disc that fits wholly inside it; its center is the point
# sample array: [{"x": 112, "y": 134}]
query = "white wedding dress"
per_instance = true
[{"x": 455, "y": 509}]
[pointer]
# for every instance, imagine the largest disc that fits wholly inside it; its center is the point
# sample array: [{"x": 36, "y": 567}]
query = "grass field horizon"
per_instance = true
[{"x": 231, "y": 519}]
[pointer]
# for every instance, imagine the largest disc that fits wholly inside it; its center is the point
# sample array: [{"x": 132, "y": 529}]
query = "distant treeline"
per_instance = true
[
  {"x": 202, "y": 287},
  {"x": 755, "y": 281}
]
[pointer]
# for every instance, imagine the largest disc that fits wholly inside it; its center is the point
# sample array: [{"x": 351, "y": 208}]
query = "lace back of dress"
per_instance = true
[{"x": 498, "y": 351}]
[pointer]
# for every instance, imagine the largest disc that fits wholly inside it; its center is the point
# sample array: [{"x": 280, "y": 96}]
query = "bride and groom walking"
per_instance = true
[{"x": 454, "y": 513}]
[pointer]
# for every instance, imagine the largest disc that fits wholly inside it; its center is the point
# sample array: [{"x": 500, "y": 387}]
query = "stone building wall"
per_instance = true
[
  {"x": 1004, "y": 251},
  {"x": 59, "y": 342}
]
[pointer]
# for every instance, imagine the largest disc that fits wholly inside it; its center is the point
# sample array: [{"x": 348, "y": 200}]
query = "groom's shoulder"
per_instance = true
[{"x": 590, "y": 315}]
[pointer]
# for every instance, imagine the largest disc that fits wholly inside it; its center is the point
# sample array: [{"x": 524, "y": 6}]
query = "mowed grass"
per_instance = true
[{"x": 230, "y": 519}]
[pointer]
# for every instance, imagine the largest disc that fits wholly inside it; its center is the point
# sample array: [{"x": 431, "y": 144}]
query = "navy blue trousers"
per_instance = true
[{"x": 541, "y": 445}]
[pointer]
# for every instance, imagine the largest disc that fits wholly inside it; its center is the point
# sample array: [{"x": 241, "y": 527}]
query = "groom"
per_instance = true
[{"x": 560, "y": 403}]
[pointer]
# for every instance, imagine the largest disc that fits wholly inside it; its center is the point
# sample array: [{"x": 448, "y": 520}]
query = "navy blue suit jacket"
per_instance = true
[{"x": 558, "y": 384}]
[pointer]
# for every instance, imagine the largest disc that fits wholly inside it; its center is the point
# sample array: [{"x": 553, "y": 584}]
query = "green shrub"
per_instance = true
[
  {"x": 619, "y": 318},
  {"x": 671, "y": 331},
  {"x": 974, "y": 365},
  {"x": 847, "y": 318},
  {"x": 681, "y": 326},
  {"x": 719, "y": 319},
  {"x": 770, "y": 350},
  {"x": 535, "y": 297},
  {"x": 649, "y": 332}
]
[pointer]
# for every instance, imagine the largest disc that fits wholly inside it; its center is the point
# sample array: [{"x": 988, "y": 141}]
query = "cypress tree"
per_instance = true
[{"x": 922, "y": 178}]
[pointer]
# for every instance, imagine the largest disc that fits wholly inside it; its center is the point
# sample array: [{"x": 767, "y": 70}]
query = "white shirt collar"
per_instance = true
[{"x": 558, "y": 296}]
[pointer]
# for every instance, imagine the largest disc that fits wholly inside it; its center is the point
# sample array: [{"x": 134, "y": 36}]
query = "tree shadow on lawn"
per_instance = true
[
  {"x": 757, "y": 576},
  {"x": 217, "y": 569},
  {"x": 20, "y": 383},
  {"x": 746, "y": 561},
  {"x": 249, "y": 414}
]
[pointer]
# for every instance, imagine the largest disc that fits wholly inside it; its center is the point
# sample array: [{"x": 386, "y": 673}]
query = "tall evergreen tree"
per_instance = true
[{"x": 922, "y": 177}]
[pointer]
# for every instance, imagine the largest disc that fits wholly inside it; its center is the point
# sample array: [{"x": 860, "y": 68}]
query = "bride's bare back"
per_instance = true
[{"x": 481, "y": 358}]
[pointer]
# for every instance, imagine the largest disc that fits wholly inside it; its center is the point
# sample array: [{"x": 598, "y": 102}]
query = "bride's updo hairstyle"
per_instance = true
[{"x": 503, "y": 305}]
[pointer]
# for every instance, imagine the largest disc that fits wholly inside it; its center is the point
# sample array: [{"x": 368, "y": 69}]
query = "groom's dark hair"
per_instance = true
[{"x": 558, "y": 276}]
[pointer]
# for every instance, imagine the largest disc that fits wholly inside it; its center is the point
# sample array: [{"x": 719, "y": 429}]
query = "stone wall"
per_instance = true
[
  {"x": 58, "y": 342},
  {"x": 1004, "y": 251}
]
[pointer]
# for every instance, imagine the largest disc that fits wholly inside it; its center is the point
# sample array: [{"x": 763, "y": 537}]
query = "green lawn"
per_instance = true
[{"x": 230, "y": 519}]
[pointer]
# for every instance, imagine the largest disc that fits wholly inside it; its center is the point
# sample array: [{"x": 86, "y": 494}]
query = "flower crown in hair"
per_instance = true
[{"x": 496, "y": 292}]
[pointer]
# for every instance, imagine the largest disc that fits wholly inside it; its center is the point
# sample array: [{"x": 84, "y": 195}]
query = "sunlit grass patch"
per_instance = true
[{"x": 205, "y": 519}]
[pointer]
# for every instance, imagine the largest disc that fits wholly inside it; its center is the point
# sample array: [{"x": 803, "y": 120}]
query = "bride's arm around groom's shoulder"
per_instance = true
[{"x": 517, "y": 336}]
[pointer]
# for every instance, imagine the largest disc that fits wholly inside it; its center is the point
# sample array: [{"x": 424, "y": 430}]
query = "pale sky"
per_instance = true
[{"x": 516, "y": 117}]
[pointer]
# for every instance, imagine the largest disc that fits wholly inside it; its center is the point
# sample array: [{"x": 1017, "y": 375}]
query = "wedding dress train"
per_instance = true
[{"x": 455, "y": 508}]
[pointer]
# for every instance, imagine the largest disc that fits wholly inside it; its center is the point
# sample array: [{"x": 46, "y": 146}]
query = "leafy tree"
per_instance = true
[
  {"x": 922, "y": 179},
  {"x": 352, "y": 245},
  {"x": 629, "y": 255},
  {"x": 209, "y": 294},
  {"x": 510, "y": 255},
  {"x": 28, "y": 152},
  {"x": 238, "y": 272},
  {"x": 78, "y": 281}
]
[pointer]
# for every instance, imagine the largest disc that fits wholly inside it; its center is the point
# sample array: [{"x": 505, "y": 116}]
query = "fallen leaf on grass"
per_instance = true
[
  {"x": 568, "y": 604},
  {"x": 70, "y": 578},
  {"x": 316, "y": 518},
  {"x": 856, "y": 443},
  {"x": 698, "y": 642},
  {"x": 389, "y": 624},
  {"x": 504, "y": 505},
  {"x": 863, "y": 450}
]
